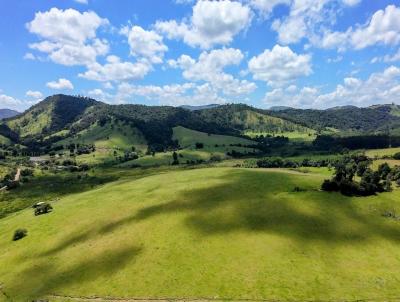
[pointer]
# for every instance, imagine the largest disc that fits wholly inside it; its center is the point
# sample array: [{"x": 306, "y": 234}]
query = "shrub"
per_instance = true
[
  {"x": 350, "y": 188},
  {"x": 68, "y": 162},
  {"x": 199, "y": 145},
  {"x": 12, "y": 185},
  {"x": 330, "y": 186},
  {"x": 175, "y": 158},
  {"x": 27, "y": 172},
  {"x": 397, "y": 155},
  {"x": 384, "y": 170},
  {"x": 216, "y": 158},
  {"x": 84, "y": 167},
  {"x": 19, "y": 234}
]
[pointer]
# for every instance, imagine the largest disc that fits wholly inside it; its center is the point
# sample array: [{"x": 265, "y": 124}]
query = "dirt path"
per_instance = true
[{"x": 17, "y": 175}]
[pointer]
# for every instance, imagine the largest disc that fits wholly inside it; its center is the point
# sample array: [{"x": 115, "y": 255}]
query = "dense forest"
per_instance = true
[{"x": 346, "y": 119}]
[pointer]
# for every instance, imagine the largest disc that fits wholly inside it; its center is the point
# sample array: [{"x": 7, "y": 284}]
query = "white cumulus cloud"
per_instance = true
[
  {"x": 280, "y": 66},
  {"x": 34, "y": 94},
  {"x": 379, "y": 88},
  {"x": 68, "y": 36},
  {"x": 145, "y": 44},
  {"x": 61, "y": 84},
  {"x": 116, "y": 70},
  {"x": 267, "y": 6},
  {"x": 383, "y": 28},
  {"x": 212, "y": 23},
  {"x": 9, "y": 102},
  {"x": 210, "y": 68}
]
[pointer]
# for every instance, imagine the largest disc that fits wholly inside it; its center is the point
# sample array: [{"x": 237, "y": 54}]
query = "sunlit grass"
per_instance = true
[{"x": 215, "y": 232}]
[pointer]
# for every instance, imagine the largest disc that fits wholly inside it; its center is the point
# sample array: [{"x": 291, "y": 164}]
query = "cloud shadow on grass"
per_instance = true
[
  {"x": 45, "y": 278},
  {"x": 253, "y": 201}
]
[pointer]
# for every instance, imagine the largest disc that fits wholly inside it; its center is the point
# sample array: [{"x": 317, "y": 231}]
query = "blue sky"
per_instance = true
[{"x": 300, "y": 53}]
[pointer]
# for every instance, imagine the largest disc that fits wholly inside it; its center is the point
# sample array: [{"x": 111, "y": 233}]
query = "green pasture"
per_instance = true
[{"x": 228, "y": 233}]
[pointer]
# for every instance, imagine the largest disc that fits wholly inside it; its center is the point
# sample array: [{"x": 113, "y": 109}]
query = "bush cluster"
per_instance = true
[
  {"x": 371, "y": 182},
  {"x": 19, "y": 234},
  {"x": 278, "y": 162}
]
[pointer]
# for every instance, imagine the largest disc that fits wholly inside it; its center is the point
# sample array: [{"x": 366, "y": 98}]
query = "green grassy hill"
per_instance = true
[
  {"x": 112, "y": 134},
  {"x": 61, "y": 119},
  {"x": 206, "y": 233},
  {"x": 251, "y": 121},
  {"x": 256, "y": 123},
  {"x": 4, "y": 140},
  {"x": 188, "y": 138}
]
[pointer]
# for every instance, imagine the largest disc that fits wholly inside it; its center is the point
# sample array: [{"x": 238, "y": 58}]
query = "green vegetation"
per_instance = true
[
  {"x": 293, "y": 135},
  {"x": 111, "y": 135},
  {"x": 382, "y": 152},
  {"x": 165, "y": 202},
  {"x": 247, "y": 231},
  {"x": 188, "y": 138},
  {"x": 349, "y": 120},
  {"x": 371, "y": 182},
  {"x": 4, "y": 140},
  {"x": 46, "y": 186}
]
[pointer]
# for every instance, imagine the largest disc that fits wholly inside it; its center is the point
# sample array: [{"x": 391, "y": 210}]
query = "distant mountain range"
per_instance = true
[
  {"x": 279, "y": 108},
  {"x": 62, "y": 118},
  {"x": 6, "y": 113},
  {"x": 201, "y": 107}
]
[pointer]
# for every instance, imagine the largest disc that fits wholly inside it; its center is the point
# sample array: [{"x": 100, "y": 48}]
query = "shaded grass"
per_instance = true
[{"x": 216, "y": 232}]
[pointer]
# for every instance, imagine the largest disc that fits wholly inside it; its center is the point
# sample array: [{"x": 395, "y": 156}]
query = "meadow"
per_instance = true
[{"x": 217, "y": 232}]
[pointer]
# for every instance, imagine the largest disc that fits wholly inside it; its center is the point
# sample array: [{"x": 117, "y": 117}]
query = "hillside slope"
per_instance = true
[
  {"x": 62, "y": 118},
  {"x": 205, "y": 233},
  {"x": 51, "y": 115},
  {"x": 348, "y": 119}
]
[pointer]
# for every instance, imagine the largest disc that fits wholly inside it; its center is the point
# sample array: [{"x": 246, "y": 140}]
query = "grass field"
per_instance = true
[
  {"x": 188, "y": 138},
  {"x": 112, "y": 135},
  {"x": 165, "y": 158},
  {"x": 381, "y": 152},
  {"x": 207, "y": 233},
  {"x": 391, "y": 162}
]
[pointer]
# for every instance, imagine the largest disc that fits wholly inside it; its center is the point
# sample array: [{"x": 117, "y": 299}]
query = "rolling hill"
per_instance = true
[
  {"x": 216, "y": 233},
  {"x": 51, "y": 115},
  {"x": 62, "y": 119}
]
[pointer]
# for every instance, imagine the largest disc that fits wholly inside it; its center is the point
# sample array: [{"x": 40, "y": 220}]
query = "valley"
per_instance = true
[
  {"x": 221, "y": 203},
  {"x": 223, "y": 233}
]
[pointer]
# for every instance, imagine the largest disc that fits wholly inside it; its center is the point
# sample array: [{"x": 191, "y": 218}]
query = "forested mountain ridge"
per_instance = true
[
  {"x": 62, "y": 117},
  {"x": 350, "y": 119},
  {"x": 51, "y": 115}
]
